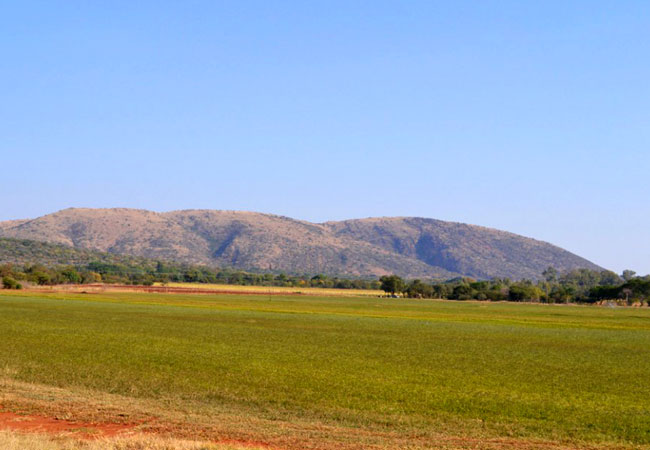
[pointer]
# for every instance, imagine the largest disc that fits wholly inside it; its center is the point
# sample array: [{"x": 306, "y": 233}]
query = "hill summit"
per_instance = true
[{"x": 408, "y": 246}]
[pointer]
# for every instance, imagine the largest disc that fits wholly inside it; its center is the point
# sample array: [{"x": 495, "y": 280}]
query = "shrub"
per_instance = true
[
  {"x": 520, "y": 292},
  {"x": 10, "y": 283}
]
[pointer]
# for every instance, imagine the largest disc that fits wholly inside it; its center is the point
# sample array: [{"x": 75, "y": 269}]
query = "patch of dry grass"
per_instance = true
[
  {"x": 279, "y": 289},
  {"x": 168, "y": 425},
  {"x": 208, "y": 288},
  {"x": 10, "y": 440}
]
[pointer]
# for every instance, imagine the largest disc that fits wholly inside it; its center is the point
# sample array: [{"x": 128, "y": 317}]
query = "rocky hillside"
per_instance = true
[{"x": 412, "y": 247}]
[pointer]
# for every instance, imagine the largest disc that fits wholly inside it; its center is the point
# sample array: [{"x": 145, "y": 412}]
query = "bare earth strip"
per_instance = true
[{"x": 204, "y": 288}]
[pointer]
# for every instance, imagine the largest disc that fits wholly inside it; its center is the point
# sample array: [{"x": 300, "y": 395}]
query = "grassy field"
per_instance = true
[{"x": 316, "y": 370}]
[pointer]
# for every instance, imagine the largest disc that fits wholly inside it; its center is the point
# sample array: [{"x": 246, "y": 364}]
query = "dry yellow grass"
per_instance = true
[
  {"x": 176, "y": 426},
  {"x": 278, "y": 289},
  {"x": 10, "y": 440},
  {"x": 225, "y": 288},
  {"x": 230, "y": 426}
]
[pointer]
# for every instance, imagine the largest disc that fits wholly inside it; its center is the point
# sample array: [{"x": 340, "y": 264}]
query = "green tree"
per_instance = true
[
  {"x": 463, "y": 291},
  {"x": 391, "y": 284},
  {"x": 550, "y": 274},
  {"x": 627, "y": 275},
  {"x": 40, "y": 277},
  {"x": 609, "y": 278},
  {"x": 418, "y": 289},
  {"x": 524, "y": 291},
  {"x": 71, "y": 275}
]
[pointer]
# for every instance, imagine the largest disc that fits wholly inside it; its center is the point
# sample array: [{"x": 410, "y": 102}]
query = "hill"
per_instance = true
[
  {"x": 411, "y": 247},
  {"x": 470, "y": 250}
]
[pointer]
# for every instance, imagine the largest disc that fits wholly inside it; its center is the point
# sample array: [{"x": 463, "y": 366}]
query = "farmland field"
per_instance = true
[{"x": 324, "y": 372}]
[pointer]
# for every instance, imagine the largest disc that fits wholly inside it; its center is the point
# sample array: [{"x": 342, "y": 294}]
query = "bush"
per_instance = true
[
  {"x": 520, "y": 292},
  {"x": 10, "y": 283},
  {"x": 41, "y": 278}
]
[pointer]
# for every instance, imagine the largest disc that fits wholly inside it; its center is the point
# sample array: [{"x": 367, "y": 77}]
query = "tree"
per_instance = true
[
  {"x": 609, "y": 278},
  {"x": 90, "y": 277},
  {"x": 522, "y": 291},
  {"x": 637, "y": 288},
  {"x": 562, "y": 294},
  {"x": 391, "y": 284},
  {"x": 627, "y": 275},
  {"x": 70, "y": 275},
  {"x": 6, "y": 270},
  {"x": 550, "y": 274},
  {"x": 418, "y": 289},
  {"x": 604, "y": 293},
  {"x": 463, "y": 291},
  {"x": 40, "y": 277},
  {"x": 626, "y": 292},
  {"x": 318, "y": 280}
]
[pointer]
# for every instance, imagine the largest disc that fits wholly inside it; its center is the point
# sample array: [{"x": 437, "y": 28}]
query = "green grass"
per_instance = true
[{"x": 559, "y": 372}]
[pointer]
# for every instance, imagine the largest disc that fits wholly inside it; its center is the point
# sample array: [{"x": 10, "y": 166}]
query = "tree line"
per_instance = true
[
  {"x": 575, "y": 286},
  {"x": 147, "y": 273}
]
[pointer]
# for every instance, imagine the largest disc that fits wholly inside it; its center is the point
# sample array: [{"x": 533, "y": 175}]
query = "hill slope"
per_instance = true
[
  {"x": 412, "y": 247},
  {"x": 22, "y": 251},
  {"x": 467, "y": 249}
]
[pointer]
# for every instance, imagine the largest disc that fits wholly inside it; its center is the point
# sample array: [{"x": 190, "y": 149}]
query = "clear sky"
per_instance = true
[{"x": 532, "y": 117}]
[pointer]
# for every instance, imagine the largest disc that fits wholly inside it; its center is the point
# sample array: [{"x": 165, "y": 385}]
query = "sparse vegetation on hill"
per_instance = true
[
  {"x": 50, "y": 264},
  {"x": 409, "y": 247},
  {"x": 469, "y": 250},
  {"x": 25, "y": 251}
]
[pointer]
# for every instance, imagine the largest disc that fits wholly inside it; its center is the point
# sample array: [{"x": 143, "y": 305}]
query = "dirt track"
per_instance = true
[{"x": 53, "y": 425}]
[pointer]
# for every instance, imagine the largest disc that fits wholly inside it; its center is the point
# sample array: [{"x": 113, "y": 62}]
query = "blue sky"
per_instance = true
[{"x": 533, "y": 117}]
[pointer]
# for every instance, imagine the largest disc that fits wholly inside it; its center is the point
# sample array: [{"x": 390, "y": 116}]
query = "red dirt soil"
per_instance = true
[
  {"x": 26, "y": 423},
  {"x": 52, "y": 425}
]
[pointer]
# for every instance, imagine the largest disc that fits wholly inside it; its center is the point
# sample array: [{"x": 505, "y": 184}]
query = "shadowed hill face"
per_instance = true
[
  {"x": 467, "y": 249},
  {"x": 411, "y": 247}
]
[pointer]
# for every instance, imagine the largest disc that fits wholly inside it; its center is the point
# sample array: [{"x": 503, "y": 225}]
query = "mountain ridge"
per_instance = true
[{"x": 374, "y": 246}]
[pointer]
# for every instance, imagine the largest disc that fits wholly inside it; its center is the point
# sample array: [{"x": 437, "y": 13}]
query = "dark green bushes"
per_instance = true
[
  {"x": 577, "y": 286},
  {"x": 10, "y": 283}
]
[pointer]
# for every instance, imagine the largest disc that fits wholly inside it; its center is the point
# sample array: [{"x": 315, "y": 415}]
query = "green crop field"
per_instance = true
[{"x": 410, "y": 369}]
